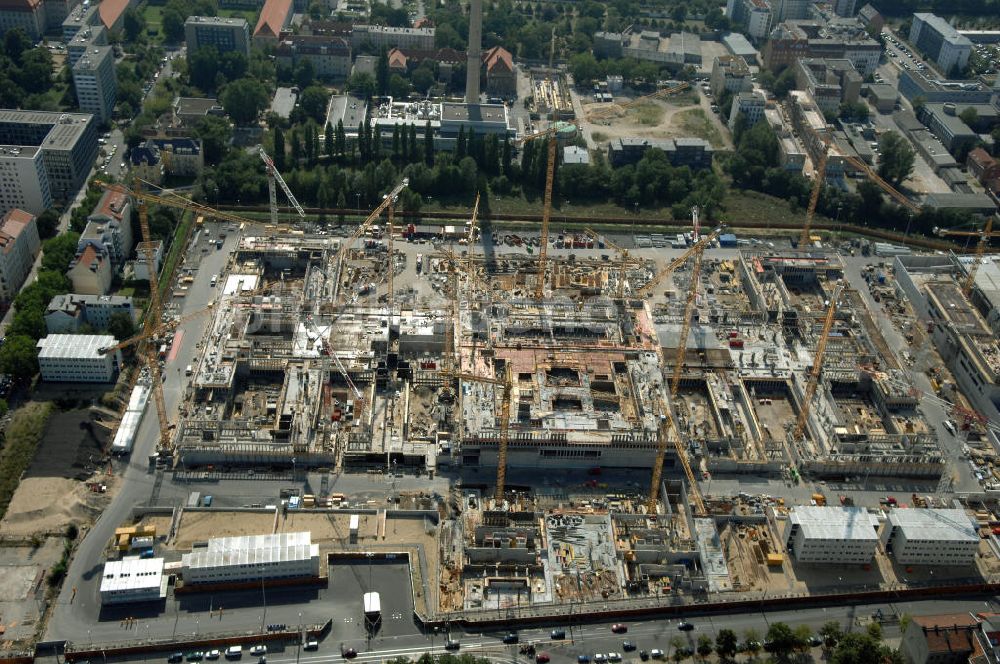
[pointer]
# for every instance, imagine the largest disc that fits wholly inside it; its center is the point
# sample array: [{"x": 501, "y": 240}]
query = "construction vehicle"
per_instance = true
[
  {"x": 613, "y": 110},
  {"x": 817, "y": 366},
  {"x": 698, "y": 246},
  {"x": 507, "y": 383},
  {"x": 274, "y": 176},
  {"x": 984, "y": 239}
]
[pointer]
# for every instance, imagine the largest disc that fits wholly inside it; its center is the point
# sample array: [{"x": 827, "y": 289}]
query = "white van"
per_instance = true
[
  {"x": 234, "y": 652},
  {"x": 215, "y": 280},
  {"x": 188, "y": 370}
]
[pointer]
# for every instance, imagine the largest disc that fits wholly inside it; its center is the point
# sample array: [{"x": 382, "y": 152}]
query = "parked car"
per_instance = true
[
  {"x": 628, "y": 646},
  {"x": 619, "y": 628},
  {"x": 213, "y": 654},
  {"x": 258, "y": 650},
  {"x": 452, "y": 644},
  {"x": 350, "y": 653},
  {"x": 176, "y": 657},
  {"x": 311, "y": 645},
  {"x": 510, "y": 637},
  {"x": 557, "y": 634}
]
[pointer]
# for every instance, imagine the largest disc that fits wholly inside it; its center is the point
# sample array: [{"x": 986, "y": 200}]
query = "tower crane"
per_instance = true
[
  {"x": 507, "y": 383},
  {"x": 700, "y": 245},
  {"x": 274, "y": 176},
  {"x": 667, "y": 433},
  {"x": 470, "y": 265},
  {"x": 984, "y": 239},
  {"x": 686, "y": 324},
  {"x": 165, "y": 327},
  {"x": 176, "y": 202},
  {"x": 817, "y": 366},
  {"x": 695, "y": 225},
  {"x": 625, "y": 260},
  {"x": 817, "y": 187},
  {"x": 391, "y": 264}
]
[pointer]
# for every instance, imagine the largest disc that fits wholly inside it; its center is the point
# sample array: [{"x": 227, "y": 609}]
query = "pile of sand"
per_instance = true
[{"x": 46, "y": 505}]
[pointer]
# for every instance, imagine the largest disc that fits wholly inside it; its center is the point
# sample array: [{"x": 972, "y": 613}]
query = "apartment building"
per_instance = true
[
  {"x": 383, "y": 36},
  {"x": 66, "y": 313},
  {"x": 109, "y": 228},
  {"x": 19, "y": 244},
  {"x": 90, "y": 271},
  {"x": 829, "y": 82},
  {"x": 95, "y": 83},
  {"x": 695, "y": 153},
  {"x": 730, "y": 74},
  {"x": 77, "y": 358},
  {"x": 838, "y": 38},
  {"x": 937, "y": 39},
  {"x": 225, "y": 34},
  {"x": 330, "y": 56},
  {"x": 749, "y": 105},
  {"x": 23, "y": 181}
]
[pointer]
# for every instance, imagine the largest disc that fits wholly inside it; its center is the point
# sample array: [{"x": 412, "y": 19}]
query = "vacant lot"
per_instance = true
[
  {"x": 680, "y": 116},
  {"x": 71, "y": 447}
]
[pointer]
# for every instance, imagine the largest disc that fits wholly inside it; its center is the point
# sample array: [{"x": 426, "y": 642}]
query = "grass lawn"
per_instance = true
[
  {"x": 250, "y": 16},
  {"x": 694, "y": 122},
  {"x": 154, "y": 17},
  {"x": 646, "y": 113},
  {"x": 754, "y": 206},
  {"x": 26, "y": 428}
]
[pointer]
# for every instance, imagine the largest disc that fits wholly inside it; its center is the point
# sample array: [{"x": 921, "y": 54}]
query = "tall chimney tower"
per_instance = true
[{"x": 474, "y": 63}]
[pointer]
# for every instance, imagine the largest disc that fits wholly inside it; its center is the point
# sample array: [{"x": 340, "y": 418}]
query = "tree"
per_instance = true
[
  {"x": 704, "y": 647},
  {"x": 751, "y": 642},
  {"x": 969, "y": 116},
  {"x": 382, "y": 73},
  {"x": 48, "y": 223},
  {"x": 121, "y": 326},
  {"x": 585, "y": 68},
  {"x": 897, "y": 159},
  {"x": 856, "y": 111},
  {"x": 428, "y": 144},
  {"x": 831, "y": 633},
  {"x": 329, "y": 141},
  {"x": 15, "y": 43},
  {"x": 362, "y": 84},
  {"x": 19, "y": 357},
  {"x": 59, "y": 251},
  {"x": 173, "y": 24},
  {"x": 679, "y": 651},
  {"x": 726, "y": 644},
  {"x": 203, "y": 66},
  {"x": 305, "y": 73},
  {"x": 785, "y": 83},
  {"x": 134, "y": 24},
  {"x": 422, "y": 79},
  {"x": 863, "y": 648},
  {"x": 313, "y": 102},
  {"x": 244, "y": 100},
  {"x": 399, "y": 87},
  {"x": 279, "y": 149},
  {"x": 215, "y": 134}
]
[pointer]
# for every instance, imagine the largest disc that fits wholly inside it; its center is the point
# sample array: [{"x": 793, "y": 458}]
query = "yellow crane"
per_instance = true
[
  {"x": 667, "y": 433},
  {"x": 692, "y": 297},
  {"x": 623, "y": 264},
  {"x": 165, "y": 327},
  {"x": 824, "y": 156},
  {"x": 507, "y": 384},
  {"x": 608, "y": 112},
  {"x": 700, "y": 245},
  {"x": 391, "y": 264},
  {"x": 984, "y": 239},
  {"x": 175, "y": 201},
  {"x": 817, "y": 366}
]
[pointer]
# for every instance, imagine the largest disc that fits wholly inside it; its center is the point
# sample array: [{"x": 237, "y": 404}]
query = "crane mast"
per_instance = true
[
  {"x": 814, "y": 195},
  {"x": 543, "y": 245},
  {"x": 668, "y": 433},
  {"x": 817, "y": 366},
  {"x": 677, "y": 262},
  {"x": 274, "y": 176},
  {"x": 686, "y": 324},
  {"x": 390, "y": 213},
  {"x": 984, "y": 239}
]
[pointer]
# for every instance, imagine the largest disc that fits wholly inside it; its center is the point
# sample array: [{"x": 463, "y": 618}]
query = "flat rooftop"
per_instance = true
[
  {"x": 939, "y": 525},
  {"x": 835, "y": 523},
  {"x": 74, "y": 346},
  {"x": 461, "y": 112}
]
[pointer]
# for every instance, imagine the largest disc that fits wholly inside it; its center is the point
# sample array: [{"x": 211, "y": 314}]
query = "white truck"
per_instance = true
[{"x": 373, "y": 608}]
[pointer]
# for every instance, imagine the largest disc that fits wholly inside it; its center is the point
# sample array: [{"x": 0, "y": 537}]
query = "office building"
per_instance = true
[
  {"x": 871, "y": 19},
  {"x": 931, "y": 537},
  {"x": 133, "y": 579},
  {"x": 252, "y": 558},
  {"x": 81, "y": 16},
  {"x": 758, "y": 18},
  {"x": 274, "y": 17},
  {"x": 140, "y": 266},
  {"x": 77, "y": 358},
  {"x": 68, "y": 142},
  {"x": 382, "y": 36},
  {"x": 90, "y": 271},
  {"x": 29, "y": 15},
  {"x": 944, "y": 122},
  {"x": 109, "y": 228},
  {"x": 838, "y": 38},
  {"x": 19, "y": 244},
  {"x": 56, "y": 12},
  {"x": 225, "y": 34},
  {"x": 913, "y": 85},
  {"x": 23, "y": 181},
  {"x": 695, "y": 153},
  {"x": 94, "y": 80},
  {"x": 85, "y": 39},
  {"x": 65, "y": 313},
  {"x": 790, "y": 10},
  {"x": 843, "y": 8},
  {"x": 329, "y": 56},
  {"x": 939, "y": 41},
  {"x": 832, "y": 535},
  {"x": 829, "y": 82},
  {"x": 740, "y": 46},
  {"x": 730, "y": 74},
  {"x": 749, "y": 105}
]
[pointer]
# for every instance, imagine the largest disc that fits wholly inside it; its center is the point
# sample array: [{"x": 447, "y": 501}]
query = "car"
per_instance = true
[
  {"x": 350, "y": 653},
  {"x": 643, "y": 655},
  {"x": 542, "y": 657},
  {"x": 510, "y": 637},
  {"x": 600, "y": 658},
  {"x": 815, "y": 641},
  {"x": 452, "y": 644},
  {"x": 176, "y": 657},
  {"x": 583, "y": 659},
  {"x": 656, "y": 653},
  {"x": 258, "y": 650},
  {"x": 685, "y": 626},
  {"x": 311, "y": 645},
  {"x": 213, "y": 654},
  {"x": 557, "y": 634},
  {"x": 619, "y": 628},
  {"x": 614, "y": 657},
  {"x": 628, "y": 646}
]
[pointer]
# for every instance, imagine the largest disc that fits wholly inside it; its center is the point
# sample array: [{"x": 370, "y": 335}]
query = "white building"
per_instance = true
[
  {"x": 95, "y": 83},
  {"x": 252, "y": 557},
  {"x": 837, "y": 535},
  {"x": 750, "y": 105},
  {"x": 77, "y": 358},
  {"x": 937, "y": 38},
  {"x": 26, "y": 186},
  {"x": 931, "y": 537},
  {"x": 133, "y": 579},
  {"x": 109, "y": 228},
  {"x": 66, "y": 312},
  {"x": 758, "y": 18},
  {"x": 19, "y": 245}
]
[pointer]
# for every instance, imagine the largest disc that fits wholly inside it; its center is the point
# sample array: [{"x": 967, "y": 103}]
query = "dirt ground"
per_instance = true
[
  {"x": 657, "y": 118},
  {"x": 46, "y": 505},
  {"x": 22, "y": 587},
  {"x": 70, "y": 448}
]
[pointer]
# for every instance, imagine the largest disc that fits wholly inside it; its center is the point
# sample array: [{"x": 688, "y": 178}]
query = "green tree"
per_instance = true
[
  {"x": 831, "y": 633},
  {"x": 423, "y": 79},
  {"x": 35, "y": 73},
  {"x": 15, "y": 43},
  {"x": 679, "y": 653},
  {"x": 134, "y": 24},
  {"x": 585, "y": 68},
  {"x": 215, "y": 134},
  {"x": 48, "y": 223},
  {"x": 428, "y": 144},
  {"x": 399, "y": 87},
  {"x": 785, "y": 83},
  {"x": 896, "y": 162},
  {"x": 751, "y": 642},
  {"x": 244, "y": 100},
  {"x": 328, "y": 143},
  {"x": 313, "y": 102},
  {"x": 59, "y": 251},
  {"x": 203, "y": 67},
  {"x": 704, "y": 647},
  {"x": 341, "y": 145},
  {"x": 726, "y": 644},
  {"x": 121, "y": 326},
  {"x": 305, "y": 73},
  {"x": 173, "y": 23},
  {"x": 969, "y": 116},
  {"x": 279, "y": 149},
  {"x": 341, "y": 204},
  {"x": 361, "y": 84},
  {"x": 382, "y": 73},
  {"x": 19, "y": 357},
  {"x": 863, "y": 648}
]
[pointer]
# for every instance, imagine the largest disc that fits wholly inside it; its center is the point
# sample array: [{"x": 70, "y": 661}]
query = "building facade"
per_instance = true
[
  {"x": 274, "y": 17},
  {"x": 749, "y": 105},
  {"x": 65, "y": 313},
  {"x": 24, "y": 183},
  {"x": 694, "y": 153},
  {"x": 829, "y": 82},
  {"x": 109, "y": 228},
  {"x": 90, "y": 271},
  {"x": 931, "y": 537},
  {"x": 79, "y": 17},
  {"x": 29, "y": 15},
  {"x": 832, "y": 535},
  {"x": 935, "y": 37},
  {"x": 382, "y": 36},
  {"x": 330, "y": 56},
  {"x": 501, "y": 80},
  {"x": 85, "y": 39},
  {"x": 730, "y": 74},
  {"x": 94, "y": 80},
  {"x": 77, "y": 358},
  {"x": 252, "y": 558},
  {"x": 225, "y": 34},
  {"x": 19, "y": 244}
]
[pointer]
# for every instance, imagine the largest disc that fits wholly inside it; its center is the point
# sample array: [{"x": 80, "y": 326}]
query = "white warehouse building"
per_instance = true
[
  {"x": 931, "y": 537},
  {"x": 77, "y": 358},
  {"x": 252, "y": 558},
  {"x": 838, "y": 535},
  {"x": 133, "y": 579}
]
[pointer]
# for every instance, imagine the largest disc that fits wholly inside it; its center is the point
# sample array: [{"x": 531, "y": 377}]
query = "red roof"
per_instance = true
[
  {"x": 498, "y": 58},
  {"x": 272, "y": 18},
  {"x": 981, "y": 157},
  {"x": 423, "y": 22},
  {"x": 397, "y": 59},
  {"x": 111, "y": 11},
  {"x": 88, "y": 256},
  {"x": 112, "y": 204},
  {"x": 11, "y": 226}
]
